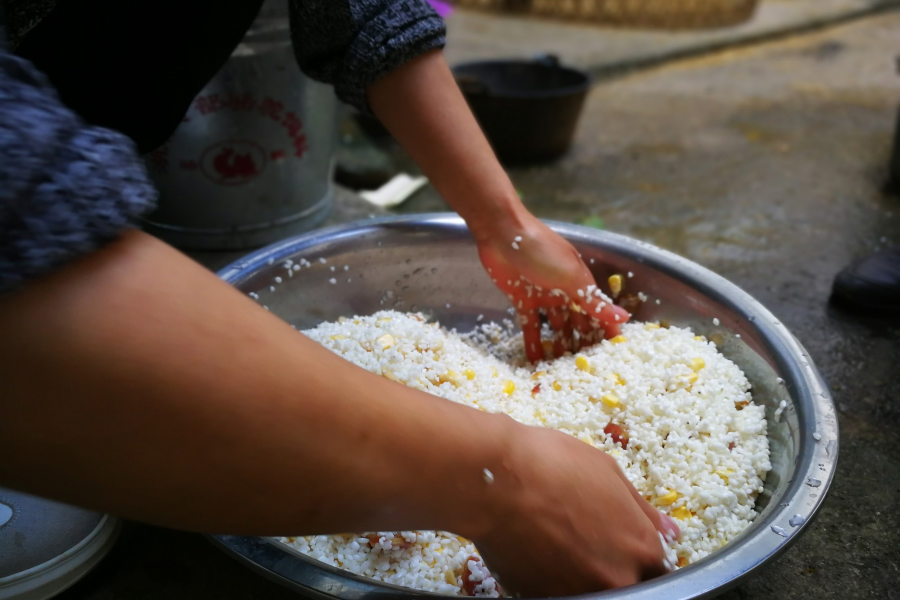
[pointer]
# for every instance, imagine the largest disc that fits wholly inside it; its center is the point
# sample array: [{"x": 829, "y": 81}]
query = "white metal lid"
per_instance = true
[{"x": 45, "y": 546}]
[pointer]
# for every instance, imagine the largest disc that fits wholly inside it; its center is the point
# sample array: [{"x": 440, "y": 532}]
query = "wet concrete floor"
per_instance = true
[{"x": 764, "y": 165}]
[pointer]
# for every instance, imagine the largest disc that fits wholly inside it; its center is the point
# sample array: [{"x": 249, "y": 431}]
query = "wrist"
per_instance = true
[
  {"x": 498, "y": 216},
  {"x": 483, "y": 504}
]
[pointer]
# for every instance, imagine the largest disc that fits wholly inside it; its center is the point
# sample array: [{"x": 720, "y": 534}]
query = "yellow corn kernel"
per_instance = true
[
  {"x": 697, "y": 364},
  {"x": 699, "y": 338},
  {"x": 615, "y": 284},
  {"x": 494, "y": 371},
  {"x": 386, "y": 373},
  {"x": 509, "y": 387},
  {"x": 692, "y": 378},
  {"x": 386, "y": 341},
  {"x": 470, "y": 374},
  {"x": 668, "y": 499},
  {"x": 611, "y": 400},
  {"x": 556, "y": 386},
  {"x": 450, "y": 578},
  {"x": 618, "y": 339},
  {"x": 683, "y": 513},
  {"x": 582, "y": 364},
  {"x": 649, "y": 326},
  {"x": 339, "y": 336},
  {"x": 586, "y": 439},
  {"x": 450, "y": 376},
  {"x": 723, "y": 473},
  {"x": 538, "y": 374},
  {"x": 615, "y": 378}
]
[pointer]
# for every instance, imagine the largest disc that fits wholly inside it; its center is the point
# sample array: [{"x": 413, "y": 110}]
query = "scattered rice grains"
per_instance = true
[{"x": 687, "y": 436}]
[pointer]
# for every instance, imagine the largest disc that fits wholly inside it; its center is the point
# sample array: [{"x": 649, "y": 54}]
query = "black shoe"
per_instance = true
[{"x": 871, "y": 285}]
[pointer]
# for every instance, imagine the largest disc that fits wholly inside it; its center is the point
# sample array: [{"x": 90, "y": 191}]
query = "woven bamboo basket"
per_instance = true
[{"x": 656, "y": 14}]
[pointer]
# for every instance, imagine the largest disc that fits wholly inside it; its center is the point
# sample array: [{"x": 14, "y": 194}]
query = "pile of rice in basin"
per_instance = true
[{"x": 676, "y": 415}]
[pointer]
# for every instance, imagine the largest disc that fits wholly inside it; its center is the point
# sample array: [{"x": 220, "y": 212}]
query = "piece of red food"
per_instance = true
[
  {"x": 536, "y": 389},
  {"x": 468, "y": 586},
  {"x": 397, "y": 541},
  {"x": 618, "y": 434}
]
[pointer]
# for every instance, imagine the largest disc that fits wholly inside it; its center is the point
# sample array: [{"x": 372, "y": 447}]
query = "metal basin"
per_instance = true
[{"x": 429, "y": 263}]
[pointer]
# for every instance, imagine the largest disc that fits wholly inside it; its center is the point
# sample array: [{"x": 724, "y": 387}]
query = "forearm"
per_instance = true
[
  {"x": 136, "y": 382},
  {"x": 424, "y": 109}
]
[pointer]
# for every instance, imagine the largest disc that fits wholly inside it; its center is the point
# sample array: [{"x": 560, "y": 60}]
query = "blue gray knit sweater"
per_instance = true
[{"x": 67, "y": 188}]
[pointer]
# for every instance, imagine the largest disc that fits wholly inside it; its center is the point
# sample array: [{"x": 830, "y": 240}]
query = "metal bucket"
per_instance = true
[{"x": 251, "y": 162}]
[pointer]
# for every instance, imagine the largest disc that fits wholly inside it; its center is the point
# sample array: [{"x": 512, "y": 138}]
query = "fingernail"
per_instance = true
[{"x": 670, "y": 532}]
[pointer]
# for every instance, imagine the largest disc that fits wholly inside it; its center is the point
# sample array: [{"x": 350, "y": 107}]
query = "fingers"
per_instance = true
[
  {"x": 530, "y": 322},
  {"x": 584, "y": 325},
  {"x": 610, "y": 316},
  {"x": 656, "y": 568},
  {"x": 562, "y": 329},
  {"x": 657, "y": 564},
  {"x": 664, "y": 524},
  {"x": 670, "y": 529}
]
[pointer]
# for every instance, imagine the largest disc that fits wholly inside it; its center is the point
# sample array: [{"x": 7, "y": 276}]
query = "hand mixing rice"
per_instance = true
[{"x": 675, "y": 414}]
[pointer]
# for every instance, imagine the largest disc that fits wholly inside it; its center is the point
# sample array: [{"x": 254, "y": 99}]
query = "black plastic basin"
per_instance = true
[{"x": 527, "y": 109}]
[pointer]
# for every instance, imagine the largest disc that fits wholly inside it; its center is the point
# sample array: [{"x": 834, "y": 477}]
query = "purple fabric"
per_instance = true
[{"x": 442, "y": 8}]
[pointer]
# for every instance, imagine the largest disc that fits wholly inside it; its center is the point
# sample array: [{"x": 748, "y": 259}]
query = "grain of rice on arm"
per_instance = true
[{"x": 675, "y": 414}]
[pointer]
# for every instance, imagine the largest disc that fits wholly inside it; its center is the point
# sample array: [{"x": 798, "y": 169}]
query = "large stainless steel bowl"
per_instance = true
[{"x": 429, "y": 263}]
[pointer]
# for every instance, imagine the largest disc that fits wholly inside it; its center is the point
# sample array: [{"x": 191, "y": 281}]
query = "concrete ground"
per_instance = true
[
  {"x": 764, "y": 165},
  {"x": 480, "y": 36}
]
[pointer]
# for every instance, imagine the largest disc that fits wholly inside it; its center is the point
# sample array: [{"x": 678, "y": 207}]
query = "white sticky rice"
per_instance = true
[{"x": 696, "y": 448}]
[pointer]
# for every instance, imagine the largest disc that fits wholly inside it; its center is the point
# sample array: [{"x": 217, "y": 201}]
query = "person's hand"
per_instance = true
[
  {"x": 422, "y": 106},
  {"x": 537, "y": 269},
  {"x": 567, "y": 521}
]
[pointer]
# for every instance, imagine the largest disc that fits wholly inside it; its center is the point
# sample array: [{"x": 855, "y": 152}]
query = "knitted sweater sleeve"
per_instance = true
[
  {"x": 352, "y": 43},
  {"x": 66, "y": 188}
]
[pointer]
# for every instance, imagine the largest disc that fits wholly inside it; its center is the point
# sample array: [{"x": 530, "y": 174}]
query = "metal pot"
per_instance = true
[
  {"x": 251, "y": 162},
  {"x": 430, "y": 264},
  {"x": 527, "y": 109}
]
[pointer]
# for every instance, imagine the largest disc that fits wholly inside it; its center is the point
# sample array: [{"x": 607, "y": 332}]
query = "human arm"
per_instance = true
[
  {"x": 136, "y": 382},
  {"x": 383, "y": 56},
  {"x": 423, "y": 108}
]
